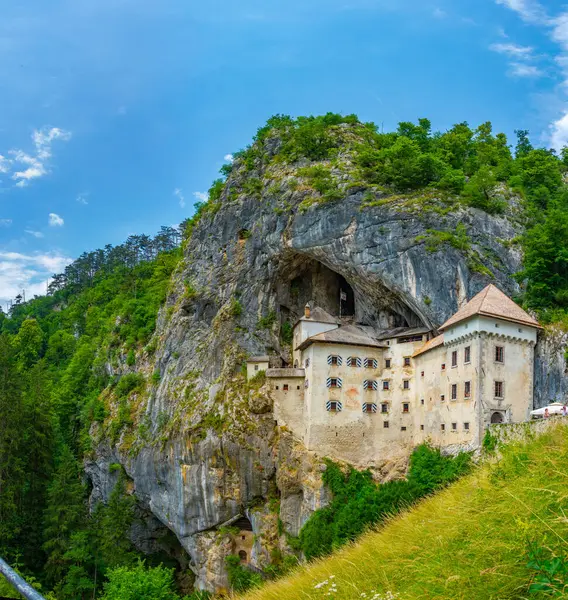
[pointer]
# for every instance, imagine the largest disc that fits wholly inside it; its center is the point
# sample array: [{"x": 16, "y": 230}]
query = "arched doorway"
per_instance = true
[
  {"x": 497, "y": 417},
  {"x": 242, "y": 555}
]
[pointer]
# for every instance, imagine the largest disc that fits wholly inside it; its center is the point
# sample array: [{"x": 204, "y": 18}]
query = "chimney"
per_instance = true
[{"x": 307, "y": 311}]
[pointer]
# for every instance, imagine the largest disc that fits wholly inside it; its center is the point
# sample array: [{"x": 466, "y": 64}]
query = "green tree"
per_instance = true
[
  {"x": 112, "y": 525},
  {"x": 65, "y": 514},
  {"x": 28, "y": 344},
  {"x": 545, "y": 265},
  {"x": 140, "y": 583},
  {"x": 38, "y": 434},
  {"x": 12, "y": 464}
]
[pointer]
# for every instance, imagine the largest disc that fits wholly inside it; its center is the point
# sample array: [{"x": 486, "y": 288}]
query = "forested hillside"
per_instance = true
[
  {"x": 78, "y": 357},
  {"x": 56, "y": 353}
]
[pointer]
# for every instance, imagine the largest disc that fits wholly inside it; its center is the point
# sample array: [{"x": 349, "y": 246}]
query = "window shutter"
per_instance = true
[
  {"x": 338, "y": 379},
  {"x": 329, "y": 359},
  {"x": 337, "y": 403},
  {"x": 373, "y": 407}
]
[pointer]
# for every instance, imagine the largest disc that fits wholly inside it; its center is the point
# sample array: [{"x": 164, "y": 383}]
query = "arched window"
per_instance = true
[{"x": 242, "y": 555}]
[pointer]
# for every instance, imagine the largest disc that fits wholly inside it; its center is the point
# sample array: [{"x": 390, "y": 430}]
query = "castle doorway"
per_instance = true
[{"x": 497, "y": 417}]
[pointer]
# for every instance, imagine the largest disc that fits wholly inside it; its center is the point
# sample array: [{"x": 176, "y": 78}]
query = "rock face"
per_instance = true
[
  {"x": 551, "y": 382},
  {"x": 205, "y": 448}
]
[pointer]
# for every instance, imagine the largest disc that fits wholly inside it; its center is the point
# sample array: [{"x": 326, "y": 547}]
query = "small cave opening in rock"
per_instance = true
[{"x": 356, "y": 297}]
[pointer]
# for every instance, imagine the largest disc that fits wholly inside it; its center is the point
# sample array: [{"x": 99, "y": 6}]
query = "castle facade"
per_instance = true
[{"x": 364, "y": 396}]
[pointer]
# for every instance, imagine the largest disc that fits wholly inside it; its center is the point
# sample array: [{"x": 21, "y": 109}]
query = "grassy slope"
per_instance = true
[{"x": 470, "y": 541}]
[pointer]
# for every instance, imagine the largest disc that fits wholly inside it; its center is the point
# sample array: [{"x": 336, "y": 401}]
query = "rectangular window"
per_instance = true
[
  {"x": 421, "y": 427},
  {"x": 333, "y": 383},
  {"x": 454, "y": 426},
  {"x": 467, "y": 354},
  {"x": 455, "y": 358},
  {"x": 385, "y": 385},
  {"x": 256, "y": 367},
  {"x": 334, "y": 361},
  {"x": 387, "y": 363},
  {"x": 407, "y": 361},
  {"x": 334, "y": 406},
  {"x": 405, "y": 407},
  {"x": 442, "y": 397},
  {"x": 466, "y": 426},
  {"x": 369, "y": 407},
  {"x": 421, "y": 373},
  {"x": 498, "y": 389},
  {"x": 443, "y": 366},
  {"x": 467, "y": 389},
  {"x": 384, "y": 408},
  {"x": 454, "y": 391},
  {"x": 406, "y": 384},
  {"x": 403, "y": 428},
  {"x": 443, "y": 427},
  {"x": 422, "y": 401},
  {"x": 285, "y": 387},
  {"x": 386, "y": 424},
  {"x": 499, "y": 354}
]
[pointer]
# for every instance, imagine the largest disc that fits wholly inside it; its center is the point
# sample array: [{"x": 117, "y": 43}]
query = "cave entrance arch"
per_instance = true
[{"x": 366, "y": 299}]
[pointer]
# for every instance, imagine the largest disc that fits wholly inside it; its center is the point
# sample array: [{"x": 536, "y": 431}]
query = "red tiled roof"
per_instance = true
[{"x": 492, "y": 302}]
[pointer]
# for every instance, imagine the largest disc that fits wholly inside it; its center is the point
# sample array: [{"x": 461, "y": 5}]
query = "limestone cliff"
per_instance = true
[{"x": 204, "y": 448}]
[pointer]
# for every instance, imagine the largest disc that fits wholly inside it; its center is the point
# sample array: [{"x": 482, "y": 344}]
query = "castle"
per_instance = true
[{"x": 363, "y": 396}]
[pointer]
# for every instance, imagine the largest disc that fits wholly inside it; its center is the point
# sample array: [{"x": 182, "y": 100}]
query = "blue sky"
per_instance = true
[{"x": 115, "y": 115}]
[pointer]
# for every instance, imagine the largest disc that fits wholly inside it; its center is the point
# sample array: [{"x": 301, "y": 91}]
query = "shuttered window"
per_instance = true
[
  {"x": 334, "y": 406},
  {"x": 334, "y": 382}
]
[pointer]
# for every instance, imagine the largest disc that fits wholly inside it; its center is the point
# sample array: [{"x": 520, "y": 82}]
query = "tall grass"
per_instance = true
[{"x": 470, "y": 541}]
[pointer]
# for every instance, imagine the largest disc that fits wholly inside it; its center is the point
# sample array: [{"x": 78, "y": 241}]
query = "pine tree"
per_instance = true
[
  {"x": 65, "y": 514},
  {"x": 38, "y": 432},
  {"x": 12, "y": 467}
]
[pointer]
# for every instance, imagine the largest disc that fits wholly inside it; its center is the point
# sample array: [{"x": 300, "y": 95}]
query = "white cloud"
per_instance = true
[
  {"x": 518, "y": 69},
  {"x": 36, "y": 163},
  {"x": 201, "y": 196},
  {"x": 5, "y": 222},
  {"x": 559, "y": 132},
  {"x": 28, "y": 272},
  {"x": 513, "y": 50},
  {"x": 55, "y": 220},
  {"x": 36, "y": 234},
  {"x": 178, "y": 194},
  {"x": 82, "y": 198},
  {"x": 228, "y": 158},
  {"x": 529, "y": 10}
]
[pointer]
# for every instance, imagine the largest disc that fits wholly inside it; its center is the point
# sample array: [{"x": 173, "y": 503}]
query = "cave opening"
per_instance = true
[{"x": 361, "y": 299}]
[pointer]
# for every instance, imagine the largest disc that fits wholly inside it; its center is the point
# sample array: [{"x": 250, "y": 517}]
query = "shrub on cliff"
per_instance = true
[{"x": 358, "y": 502}]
